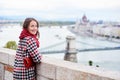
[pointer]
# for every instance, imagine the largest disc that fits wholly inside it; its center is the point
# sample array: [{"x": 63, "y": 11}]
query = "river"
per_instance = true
[{"x": 54, "y": 38}]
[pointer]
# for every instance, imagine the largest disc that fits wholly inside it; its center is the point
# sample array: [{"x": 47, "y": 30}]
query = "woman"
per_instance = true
[{"x": 27, "y": 54}]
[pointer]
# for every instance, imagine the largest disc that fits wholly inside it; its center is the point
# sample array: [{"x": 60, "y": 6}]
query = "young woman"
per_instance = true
[{"x": 27, "y": 54}]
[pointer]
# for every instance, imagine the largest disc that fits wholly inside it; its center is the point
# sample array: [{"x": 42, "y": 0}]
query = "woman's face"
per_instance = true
[{"x": 32, "y": 28}]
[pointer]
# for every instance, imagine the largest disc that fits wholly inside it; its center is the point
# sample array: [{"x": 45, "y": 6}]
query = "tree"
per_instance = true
[
  {"x": 11, "y": 45},
  {"x": 90, "y": 63}
]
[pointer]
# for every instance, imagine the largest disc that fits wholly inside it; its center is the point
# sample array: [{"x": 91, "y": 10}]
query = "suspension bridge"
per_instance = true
[{"x": 50, "y": 49}]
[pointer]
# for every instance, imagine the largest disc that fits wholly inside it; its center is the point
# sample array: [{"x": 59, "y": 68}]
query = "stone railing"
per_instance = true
[{"x": 55, "y": 69}]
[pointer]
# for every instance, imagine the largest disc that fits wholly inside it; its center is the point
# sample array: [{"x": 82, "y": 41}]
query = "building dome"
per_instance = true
[{"x": 84, "y": 18}]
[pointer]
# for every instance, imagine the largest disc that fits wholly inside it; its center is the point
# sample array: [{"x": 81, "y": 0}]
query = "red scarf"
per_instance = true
[{"x": 26, "y": 33}]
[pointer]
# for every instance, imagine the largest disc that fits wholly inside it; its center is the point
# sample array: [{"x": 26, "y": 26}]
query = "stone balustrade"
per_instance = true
[{"x": 55, "y": 69}]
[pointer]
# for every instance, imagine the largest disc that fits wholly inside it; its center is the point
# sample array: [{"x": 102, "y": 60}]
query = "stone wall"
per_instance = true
[{"x": 55, "y": 69}]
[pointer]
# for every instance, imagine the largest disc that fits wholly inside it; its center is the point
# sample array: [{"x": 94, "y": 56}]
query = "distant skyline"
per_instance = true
[{"x": 63, "y": 10}]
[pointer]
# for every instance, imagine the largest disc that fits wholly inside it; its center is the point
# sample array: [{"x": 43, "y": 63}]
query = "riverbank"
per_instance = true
[{"x": 92, "y": 35}]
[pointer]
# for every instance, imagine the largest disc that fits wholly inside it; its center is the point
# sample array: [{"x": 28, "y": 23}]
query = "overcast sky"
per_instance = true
[{"x": 108, "y": 10}]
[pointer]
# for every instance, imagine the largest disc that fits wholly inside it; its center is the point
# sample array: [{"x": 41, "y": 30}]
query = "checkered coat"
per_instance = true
[{"x": 27, "y": 47}]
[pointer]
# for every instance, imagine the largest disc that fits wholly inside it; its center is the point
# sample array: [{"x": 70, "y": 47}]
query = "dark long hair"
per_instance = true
[{"x": 27, "y": 23}]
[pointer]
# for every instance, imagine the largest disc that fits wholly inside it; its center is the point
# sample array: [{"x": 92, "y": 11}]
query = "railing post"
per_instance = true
[
  {"x": 2, "y": 74},
  {"x": 71, "y": 52}
]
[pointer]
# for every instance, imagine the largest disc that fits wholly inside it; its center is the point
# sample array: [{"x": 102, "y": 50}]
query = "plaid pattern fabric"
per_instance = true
[{"x": 27, "y": 47}]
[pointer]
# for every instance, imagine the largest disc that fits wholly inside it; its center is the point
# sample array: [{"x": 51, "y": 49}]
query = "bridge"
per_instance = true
[{"x": 48, "y": 50}]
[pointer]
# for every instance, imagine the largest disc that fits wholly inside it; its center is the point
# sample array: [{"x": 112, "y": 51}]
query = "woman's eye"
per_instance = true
[{"x": 33, "y": 25}]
